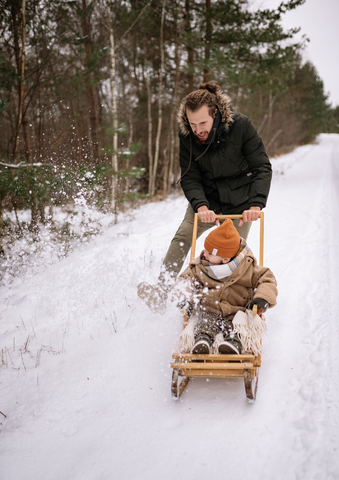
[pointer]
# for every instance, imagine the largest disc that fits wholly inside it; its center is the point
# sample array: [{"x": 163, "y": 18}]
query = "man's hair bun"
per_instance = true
[
  {"x": 211, "y": 87},
  {"x": 206, "y": 95}
]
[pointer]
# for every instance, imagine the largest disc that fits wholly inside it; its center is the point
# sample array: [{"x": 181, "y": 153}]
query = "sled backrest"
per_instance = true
[{"x": 261, "y": 244}]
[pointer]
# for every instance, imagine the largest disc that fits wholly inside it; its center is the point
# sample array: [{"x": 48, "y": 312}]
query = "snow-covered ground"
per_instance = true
[{"x": 85, "y": 378}]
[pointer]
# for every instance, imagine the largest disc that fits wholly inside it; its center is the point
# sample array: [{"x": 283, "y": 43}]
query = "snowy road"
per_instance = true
[{"x": 85, "y": 381}]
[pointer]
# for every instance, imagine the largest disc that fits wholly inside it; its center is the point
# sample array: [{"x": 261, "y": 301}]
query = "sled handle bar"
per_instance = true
[{"x": 261, "y": 245}]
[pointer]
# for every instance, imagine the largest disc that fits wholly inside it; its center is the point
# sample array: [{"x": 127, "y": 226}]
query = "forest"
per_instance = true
[{"x": 89, "y": 93}]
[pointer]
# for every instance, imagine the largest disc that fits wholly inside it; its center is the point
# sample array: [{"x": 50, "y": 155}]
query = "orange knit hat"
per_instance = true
[{"x": 224, "y": 241}]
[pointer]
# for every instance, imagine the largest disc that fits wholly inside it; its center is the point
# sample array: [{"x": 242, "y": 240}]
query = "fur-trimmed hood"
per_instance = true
[{"x": 224, "y": 106}]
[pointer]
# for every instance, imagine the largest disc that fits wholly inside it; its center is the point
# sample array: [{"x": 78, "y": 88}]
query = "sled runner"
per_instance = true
[{"x": 246, "y": 366}]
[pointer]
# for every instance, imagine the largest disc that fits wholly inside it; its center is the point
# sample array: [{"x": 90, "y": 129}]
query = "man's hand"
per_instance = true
[
  {"x": 250, "y": 215},
  {"x": 206, "y": 215}
]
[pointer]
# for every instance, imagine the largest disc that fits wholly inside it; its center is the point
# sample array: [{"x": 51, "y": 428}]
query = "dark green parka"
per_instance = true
[{"x": 231, "y": 171}]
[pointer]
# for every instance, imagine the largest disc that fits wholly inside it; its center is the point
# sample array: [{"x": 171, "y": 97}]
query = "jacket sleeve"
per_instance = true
[
  {"x": 191, "y": 181},
  {"x": 258, "y": 163},
  {"x": 265, "y": 285}
]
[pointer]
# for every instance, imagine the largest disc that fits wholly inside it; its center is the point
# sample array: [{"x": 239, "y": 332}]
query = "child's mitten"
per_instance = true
[{"x": 260, "y": 303}]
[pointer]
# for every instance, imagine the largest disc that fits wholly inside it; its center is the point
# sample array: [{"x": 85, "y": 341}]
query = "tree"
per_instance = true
[
  {"x": 309, "y": 100},
  {"x": 83, "y": 82}
]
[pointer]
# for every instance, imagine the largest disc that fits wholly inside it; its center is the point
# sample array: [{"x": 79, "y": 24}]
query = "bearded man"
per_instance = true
[{"x": 224, "y": 170}]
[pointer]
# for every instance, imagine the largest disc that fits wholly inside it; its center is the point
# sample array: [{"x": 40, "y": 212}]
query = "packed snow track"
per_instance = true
[{"x": 85, "y": 378}]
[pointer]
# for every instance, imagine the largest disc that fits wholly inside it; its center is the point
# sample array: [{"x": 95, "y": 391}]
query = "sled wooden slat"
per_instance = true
[
  {"x": 214, "y": 357},
  {"x": 249, "y": 357},
  {"x": 212, "y": 366},
  {"x": 214, "y": 373},
  {"x": 188, "y": 365}
]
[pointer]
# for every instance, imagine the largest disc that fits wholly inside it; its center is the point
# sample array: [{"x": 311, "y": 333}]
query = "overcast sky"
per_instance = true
[{"x": 319, "y": 20}]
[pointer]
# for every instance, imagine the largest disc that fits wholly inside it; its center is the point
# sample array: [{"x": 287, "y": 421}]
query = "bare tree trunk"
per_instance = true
[
  {"x": 262, "y": 124},
  {"x": 275, "y": 136},
  {"x": 77, "y": 132},
  {"x": 39, "y": 121},
  {"x": 189, "y": 47},
  {"x": 150, "y": 133},
  {"x": 207, "y": 41},
  {"x": 157, "y": 140},
  {"x": 20, "y": 60},
  {"x": 171, "y": 137},
  {"x": 93, "y": 120},
  {"x": 173, "y": 116},
  {"x": 268, "y": 116},
  {"x": 130, "y": 127},
  {"x": 1, "y": 225},
  {"x": 165, "y": 168},
  {"x": 114, "y": 112},
  {"x": 271, "y": 101},
  {"x": 25, "y": 131}
]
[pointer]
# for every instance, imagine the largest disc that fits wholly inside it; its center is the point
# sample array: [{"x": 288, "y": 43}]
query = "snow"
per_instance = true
[{"x": 85, "y": 378}]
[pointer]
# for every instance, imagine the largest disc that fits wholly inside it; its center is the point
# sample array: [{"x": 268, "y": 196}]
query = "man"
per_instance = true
[{"x": 224, "y": 170}]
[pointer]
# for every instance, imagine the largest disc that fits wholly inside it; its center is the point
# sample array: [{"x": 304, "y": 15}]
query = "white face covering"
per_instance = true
[{"x": 220, "y": 271}]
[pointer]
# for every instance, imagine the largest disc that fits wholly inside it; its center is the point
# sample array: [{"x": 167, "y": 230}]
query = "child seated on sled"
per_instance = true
[{"x": 224, "y": 280}]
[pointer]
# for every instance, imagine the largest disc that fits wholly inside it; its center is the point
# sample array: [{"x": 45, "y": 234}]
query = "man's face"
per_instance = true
[{"x": 201, "y": 122}]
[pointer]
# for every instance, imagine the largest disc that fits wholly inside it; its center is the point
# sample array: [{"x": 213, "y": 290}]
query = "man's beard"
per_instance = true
[{"x": 198, "y": 139}]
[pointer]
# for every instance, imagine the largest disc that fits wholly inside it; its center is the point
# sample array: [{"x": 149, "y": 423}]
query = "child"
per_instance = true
[{"x": 223, "y": 280}]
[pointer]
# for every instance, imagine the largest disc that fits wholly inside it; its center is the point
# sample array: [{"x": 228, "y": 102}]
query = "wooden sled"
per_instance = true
[{"x": 246, "y": 366}]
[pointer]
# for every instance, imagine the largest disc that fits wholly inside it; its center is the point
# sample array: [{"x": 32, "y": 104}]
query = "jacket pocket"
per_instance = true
[{"x": 237, "y": 190}]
